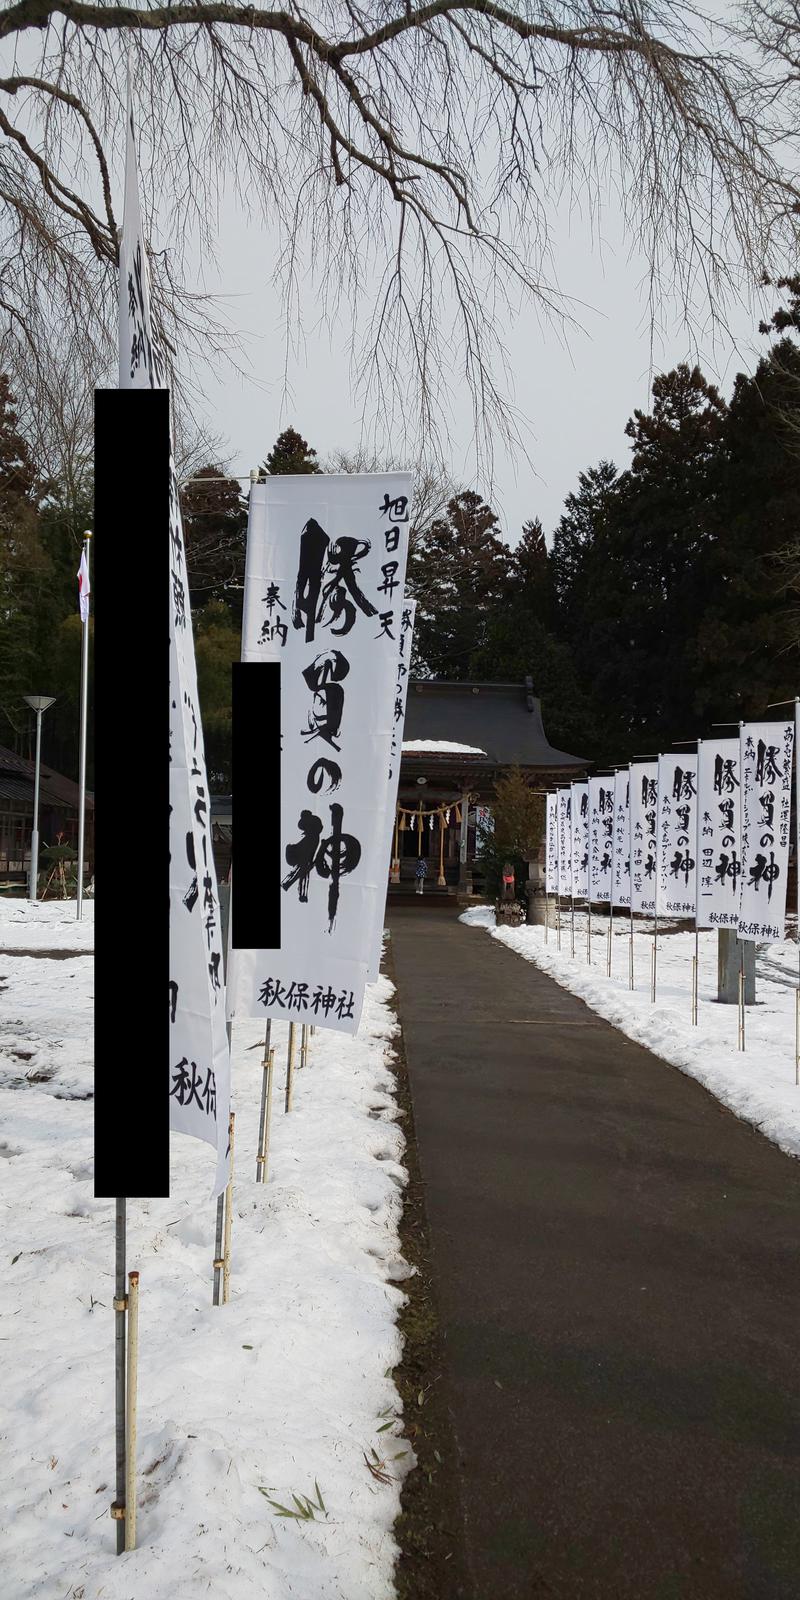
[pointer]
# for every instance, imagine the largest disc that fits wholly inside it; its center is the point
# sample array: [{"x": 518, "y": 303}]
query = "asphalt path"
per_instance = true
[{"x": 616, "y": 1261}]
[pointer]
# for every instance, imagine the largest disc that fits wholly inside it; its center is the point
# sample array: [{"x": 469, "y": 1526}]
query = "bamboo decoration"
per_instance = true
[
  {"x": 290, "y": 1065},
  {"x": 441, "y": 881},
  {"x": 797, "y": 1035},
  {"x": 304, "y": 1045},
  {"x": 226, "y": 1252},
  {"x": 130, "y": 1411}
]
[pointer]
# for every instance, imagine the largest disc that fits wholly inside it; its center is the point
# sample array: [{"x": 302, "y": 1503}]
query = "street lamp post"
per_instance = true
[{"x": 38, "y": 703}]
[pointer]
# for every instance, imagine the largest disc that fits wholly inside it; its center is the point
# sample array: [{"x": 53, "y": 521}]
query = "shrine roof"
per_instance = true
[
  {"x": 17, "y": 776},
  {"x": 502, "y": 721}
]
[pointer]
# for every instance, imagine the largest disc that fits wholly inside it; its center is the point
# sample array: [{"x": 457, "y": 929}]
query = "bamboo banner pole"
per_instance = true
[
  {"x": 610, "y": 937},
  {"x": 572, "y": 913},
  {"x": 262, "y": 1159},
  {"x": 218, "y": 1236},
  {"x": 120, "y": 1309},
  {"x": 741, "y": 1004},
  {"x": 631, "y": 973},
  {"x": 304, "y": 1045},
  {"x": 290, "y": 1066},
  {"x": 129, "y": 1524},
  {"x": 695, "y": 975},
  {"x": 558, "y": 919},
  {"x": 589, "y": 931},
  {"x": 654, "y": 958},
  {"x": 226, "y": 1252},
  {"x": 263, "y": 1111},
  {"x": 82, "y": 772}
]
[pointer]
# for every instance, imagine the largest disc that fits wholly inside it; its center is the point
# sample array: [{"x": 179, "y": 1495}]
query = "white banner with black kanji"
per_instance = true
[
  {"x": 551, "y": 845},
  {"x": 644, "y": 836},
  {"x": 676, "y": 853},
  {"x": 324, "y": 596},
  {"x": 601, "y": 838},
  {"x": 766, "y": 772},
  {"x": 621, "y": 864},
  {"x": 199, "y": 1057},
  {"x": 580, "y": 840},
  {"x": 719, "y": 823},
  {"x": 405, "y": 643}
]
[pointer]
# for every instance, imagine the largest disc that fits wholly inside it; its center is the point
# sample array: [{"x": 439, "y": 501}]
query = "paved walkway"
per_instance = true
[{"x": 619, "y": 1283}]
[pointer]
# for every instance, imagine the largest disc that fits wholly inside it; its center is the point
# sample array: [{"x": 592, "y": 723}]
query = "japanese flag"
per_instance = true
[{"x": 84, "y": 588}]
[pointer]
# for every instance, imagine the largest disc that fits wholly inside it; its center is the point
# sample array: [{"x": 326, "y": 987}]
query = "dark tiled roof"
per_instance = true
[
  {"x": 504, "y": 719},
  {"x": 54, "y": 788}
]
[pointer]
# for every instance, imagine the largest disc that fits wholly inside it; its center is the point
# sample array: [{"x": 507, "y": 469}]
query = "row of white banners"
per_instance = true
[{"x": 703, "y": 837}]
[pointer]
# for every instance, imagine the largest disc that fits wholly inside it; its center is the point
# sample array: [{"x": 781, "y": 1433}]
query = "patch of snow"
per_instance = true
[
  {"x": 287, "y": 1385},
  {"x": 439, "y": 746},
  {"x": 758, "y": 1084}
]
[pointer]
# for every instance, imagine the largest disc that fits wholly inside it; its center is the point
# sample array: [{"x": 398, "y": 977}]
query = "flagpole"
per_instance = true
[{"x": 84, "y": 703}]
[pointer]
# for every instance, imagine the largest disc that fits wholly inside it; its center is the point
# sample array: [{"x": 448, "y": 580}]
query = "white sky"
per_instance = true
[{"x": 577, "y": 390}]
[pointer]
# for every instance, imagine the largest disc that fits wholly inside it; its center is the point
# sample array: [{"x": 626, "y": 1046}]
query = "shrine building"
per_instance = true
[{"x": 459, "y": 739}]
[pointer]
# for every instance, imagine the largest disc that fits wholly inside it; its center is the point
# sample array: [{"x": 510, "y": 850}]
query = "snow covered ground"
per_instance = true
[
  {"x": 759, "y": 1084},
  {"x": 288, "y": 1387}
]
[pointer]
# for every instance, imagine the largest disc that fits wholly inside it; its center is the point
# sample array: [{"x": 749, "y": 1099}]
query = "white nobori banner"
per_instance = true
[
  {"x": 719, "y": 854},
  {"x": 405, "y": 643},
  {"x": 644, "y": 836},
  {"x": 199, "y": 1086},
  {"x": 676, "y": 879},
  {"x": 551, "y": 847},
  {"x": 324, "y": 595},
  {"x": 766, "y": 776},
  {"x": 580, "y": 840},
  {"x": 601, "y": 838},
  {"x": 564, "y": 798},
  {"x": 621, "y": 861}
]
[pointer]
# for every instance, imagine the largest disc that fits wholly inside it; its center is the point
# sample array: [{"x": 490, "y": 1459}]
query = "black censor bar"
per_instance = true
[
  {"x": 256, "y": 802},
  {"x": 131, "y": 572}
]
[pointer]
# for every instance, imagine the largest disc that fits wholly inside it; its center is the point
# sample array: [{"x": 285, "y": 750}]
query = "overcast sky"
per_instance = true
[{"x": 577, "y": 390}]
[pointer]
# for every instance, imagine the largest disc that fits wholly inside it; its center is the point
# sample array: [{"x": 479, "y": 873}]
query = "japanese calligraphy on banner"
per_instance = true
[
  {"x": 621, "y": 862},
  {"x": 644, "y": 834},
  {"x": 565, "y": 842},
  {"x": 551, "y": 845},
  {"x": 405, "y": 641},
  {"x": 141, "y": 360},
  {"x": 719, "y": 856},
  {"x": 199, "y": 1088},
  {"x": 580, "y": 840},
  {"x": 601, "y": 837},
  {"x": 324, "y": 586},
  {"x": 766, "y": 791},
  {"x": 676, "y": 855}
]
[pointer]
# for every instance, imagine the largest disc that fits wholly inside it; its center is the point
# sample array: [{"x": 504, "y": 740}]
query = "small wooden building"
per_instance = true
[
  {"x": 459, "y": 738},
  {"x": 58, "y": 813}
]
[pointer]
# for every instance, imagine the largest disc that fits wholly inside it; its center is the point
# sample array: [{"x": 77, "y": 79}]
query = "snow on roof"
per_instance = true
[{"x": 440, "y": 746}]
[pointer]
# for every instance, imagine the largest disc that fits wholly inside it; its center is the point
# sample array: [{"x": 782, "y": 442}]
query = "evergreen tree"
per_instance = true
[
  {"x": 290, "y": 453},
  {"x": 218, "y": 643},
  {"x": 748, "y": 646},
  {"x": 25, "y": 570},
  {"x": 457, "y": 571},
  {"x": 215, "y": 533}
]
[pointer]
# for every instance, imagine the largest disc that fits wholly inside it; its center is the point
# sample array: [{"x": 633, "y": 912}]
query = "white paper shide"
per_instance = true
[
  {"x": 324, "y": 595},
  {"x": 766, "y": 769}
]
